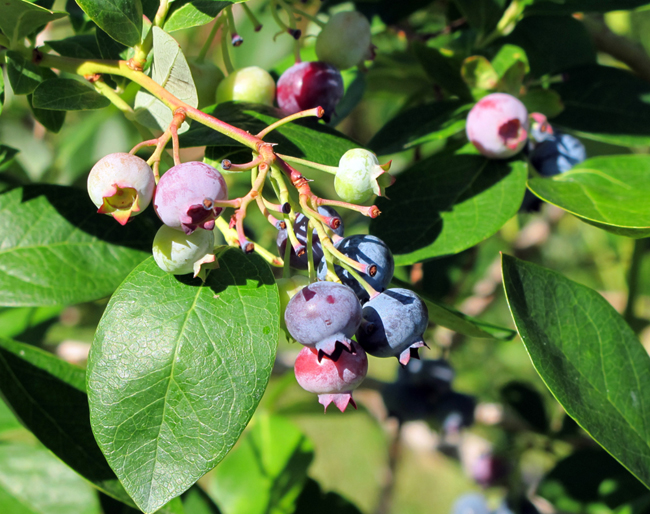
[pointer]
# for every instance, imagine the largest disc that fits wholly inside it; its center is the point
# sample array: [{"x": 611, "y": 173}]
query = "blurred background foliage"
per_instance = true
[{"x": 501, "y": 434}]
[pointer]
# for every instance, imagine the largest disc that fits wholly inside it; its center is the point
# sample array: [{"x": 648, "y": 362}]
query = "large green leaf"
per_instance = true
[
  {"x": 33, "y": 481},
  {"x": 267, "y": 470},
  {"x": 176, "y": 370},
  {"x": 572, "y": 6},
  {"x": 605, "y": 104},
  {"x": 588, "y": 357},
  {"x": 553, "y": 44},
  {"x": 419, "y": 125},
  {"x": 452, "y": 319},
  {"x": 609, "y": 192},
  {"x": 184, "y": 14},
  {"x": 80, "y": 47},
  {"x": 446, "y": 204},
  {"x": 23, "y": 75},
  {"x": 67, "y": 95},
  {"x": 443, "y": 70},
  {"x": 120, "y": 19},
  {"x": 51, "y": 120},
  {"x": 307, "y": 138},
  {"x": 20, "y": 18},
  {"x": 170, "y": 70},
  {"x": 482, "y": 15},
  {"x": 49, "y": 396},
  {"x": 56, "y": 250}
]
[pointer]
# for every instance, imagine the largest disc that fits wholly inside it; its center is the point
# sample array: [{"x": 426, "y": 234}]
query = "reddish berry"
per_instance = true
[
  {"x": 332, "y": 381},
  {"x": 310, "y": 84}
]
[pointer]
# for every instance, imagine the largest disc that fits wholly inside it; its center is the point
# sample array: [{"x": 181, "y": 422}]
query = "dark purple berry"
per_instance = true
[{"x": 310, "y": 84}]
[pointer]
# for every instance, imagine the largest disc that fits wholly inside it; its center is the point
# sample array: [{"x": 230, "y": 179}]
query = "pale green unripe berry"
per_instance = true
[
  {"x": 344, "y": 41},
  {"x": 252, "y": 84},
  {"x": 178, "y": 253},
  {"x": 357, "y": 175}
]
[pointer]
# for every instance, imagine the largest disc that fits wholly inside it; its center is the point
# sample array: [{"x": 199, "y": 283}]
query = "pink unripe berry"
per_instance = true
[
  {"x": 121, "y": 185},
  {"x": 332, "y": 381},
  {"x": 186, "y": 195},
  {"x": 498, "y": 126}
]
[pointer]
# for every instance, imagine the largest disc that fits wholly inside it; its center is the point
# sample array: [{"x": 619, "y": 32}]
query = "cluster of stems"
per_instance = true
[{"x": 266, "y": 165}]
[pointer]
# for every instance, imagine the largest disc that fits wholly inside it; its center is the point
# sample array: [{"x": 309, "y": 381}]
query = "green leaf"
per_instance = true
[
  {"x": 443, "y": 70},
  {"x": 573, "y": 6},
  {"x": 590, "y": 480},
  {"x": 605, "y": 104},
  {"x": 20, "y": 18},
  {"x": 67, "y": 95},
  {"x": 51, "y": 120},
  {"x": 80, "y": 47},
  {"x": 170, "y": 70},
  {"x": 313, "y": 500},
  {"x": 176, "y": 370},
  {"x": 609, "y": 192},
  {"x": 8, "y": 421},
  {"x": 306, "y": 138},
  {"x": 448, "y": 203},
  {"x": 79, "y": 20},
  {"x": 553, "y": 44},
  {"x": 23, "y": 75},
  {"x": 6, "y": 154},
  {"x": 420, "y": 124},
  {"x": 266, "y": 471},
  {"x": 478, "y": 73},
  {"x": 352, "y": 97},
  {"x": 482, "y": 15},
  {"x": 452, "y": 319},
  {"x": 546, "y": 101},
  {"x": 120, "y": 19},
  {"x": 184, "y": 14},
  {"x": 587, "y": 356},
  {"x": 56, "y": 249},
  {"x": 2, "y": 94},
  {"x": 48, "y": 395},
  {"x": 196, "y": 501},
  {"x": 15, "y": 320},
  {"x": 33, "y": 481}
]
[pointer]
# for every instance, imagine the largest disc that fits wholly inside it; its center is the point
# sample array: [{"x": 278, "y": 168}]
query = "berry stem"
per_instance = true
[
  {"x": 254, "y": 21},
  {"x": 310, "y": 253},
  {"x": 115, "y": 99},
  {"x": 230, "y": 235},
  {"x": 228, "y": 165},
  {"x": 269, "y": 217},
  {"x": 316, "y": 111},
  {"x": 208, "y": 42},
  {"x": 225, "y": 50},
  {"x": 235, "y": 38},
  {"x": 296, "y": 160},
  {"x": 371, "y": 211},
  {"x": 372, "y": 292},
  {"x": 304, "y": 14},
  {"x": 177, "y": 121}
]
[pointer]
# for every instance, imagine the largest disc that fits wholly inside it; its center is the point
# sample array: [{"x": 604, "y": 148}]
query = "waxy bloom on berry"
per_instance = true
[{"x": 121, "y": 185}]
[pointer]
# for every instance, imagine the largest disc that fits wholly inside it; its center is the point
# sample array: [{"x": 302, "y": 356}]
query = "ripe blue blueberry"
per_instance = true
[
  {"x": 558, "y": 154},
  {"x": 394, "y": 325},
  {"x": 322, "y": 315},
  {"x": 300, "y": 228},
  {"x": 366, "y": 250}
]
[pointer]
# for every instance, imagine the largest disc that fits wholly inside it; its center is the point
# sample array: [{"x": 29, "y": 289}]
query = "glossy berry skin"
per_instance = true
[
  {"x": 558, "y": 154},
  {"x": 344, "y": 41},
  {"x": 394, "y": 325},
  {"x": 178, "y": 253},
  {"x": 332, "y": 381},
  {"x": 121, "y": 185},
  {"x": 300, "y": 228},
  {"x": 498, "y": 126},
  {"x": 207, "y": 77},
  {"x": 185, "y": 196},
  {"x": 322, "y": 315},
  {"x": 364, "y": 249},
  {"x": 252, "y": 84},
  {"x": 310, "y": 84}
]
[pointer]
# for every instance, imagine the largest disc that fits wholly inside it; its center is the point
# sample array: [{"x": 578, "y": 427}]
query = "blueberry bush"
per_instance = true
[{"x": 217, "y": 215}]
